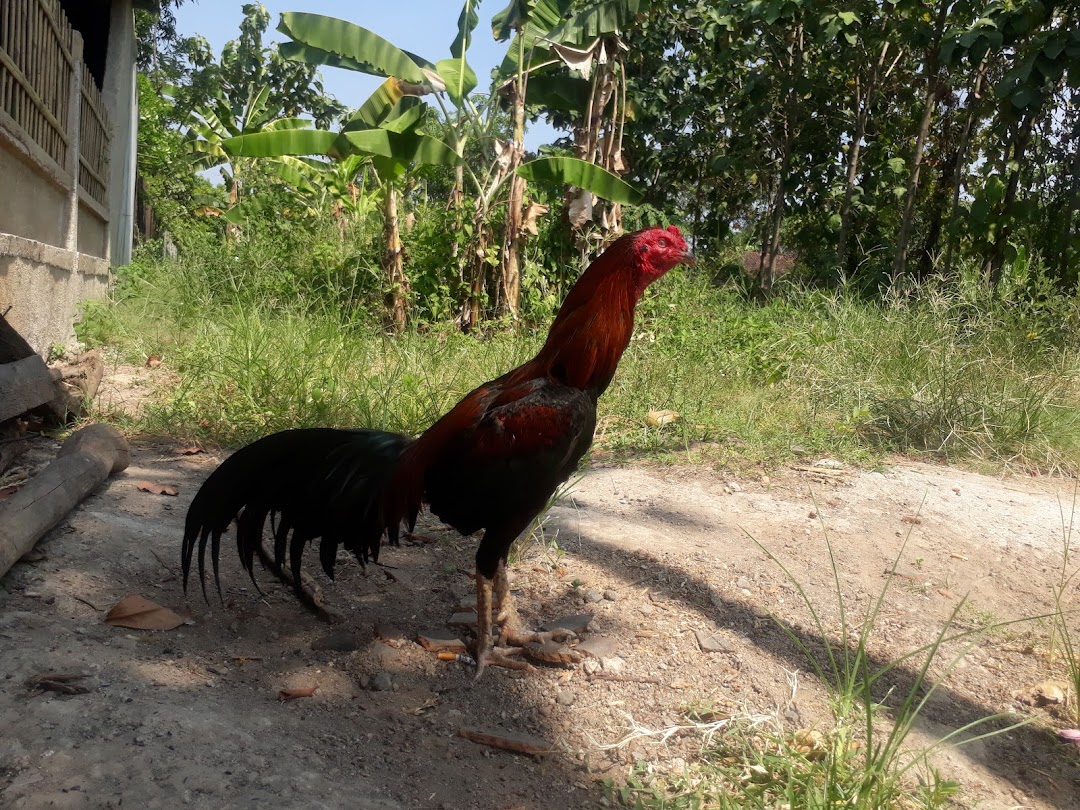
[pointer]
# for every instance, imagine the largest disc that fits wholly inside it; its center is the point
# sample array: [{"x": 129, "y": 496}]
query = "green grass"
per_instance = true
[
  {"x": 864, "y": 761},
  {"x": 754, "y": 384}
]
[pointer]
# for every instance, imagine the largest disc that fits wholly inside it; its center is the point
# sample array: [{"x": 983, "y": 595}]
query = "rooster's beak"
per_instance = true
[{"x": 689, "y": 259}]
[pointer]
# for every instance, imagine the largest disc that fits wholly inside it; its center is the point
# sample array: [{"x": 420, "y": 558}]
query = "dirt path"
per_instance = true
[{"x": 659, "y": 556}]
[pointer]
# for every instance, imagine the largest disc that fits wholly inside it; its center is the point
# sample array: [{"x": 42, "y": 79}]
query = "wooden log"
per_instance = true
[
  {"x": 85, "y": 460},
  {"x": 24, "y": 385},
  {"x": 13, "y": 346}
]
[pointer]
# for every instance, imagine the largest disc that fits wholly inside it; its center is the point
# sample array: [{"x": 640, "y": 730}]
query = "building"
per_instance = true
[{"x": 68, "y": 126}]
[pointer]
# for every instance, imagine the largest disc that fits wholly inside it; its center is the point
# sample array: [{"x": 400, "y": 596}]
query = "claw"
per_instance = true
[{"x": 501, "y": 657}]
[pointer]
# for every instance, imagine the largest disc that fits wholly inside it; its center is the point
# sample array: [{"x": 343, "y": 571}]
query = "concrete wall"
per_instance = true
[
  {"x": 33, "y": 204},
  {"x": 43, "y": 286},
  {"x": 93, "y": 233},
  {"x": 56, "y": 244}
]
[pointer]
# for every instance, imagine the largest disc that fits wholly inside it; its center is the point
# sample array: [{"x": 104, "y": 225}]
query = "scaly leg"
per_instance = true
[
  {"x": 513, "y": 633},
  {"x": 485, "y": 649}
]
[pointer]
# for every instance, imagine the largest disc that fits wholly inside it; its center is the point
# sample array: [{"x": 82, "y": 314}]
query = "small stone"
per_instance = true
[
  {"x": 734, "y": 487},
  {"x": 436, "y": 641},
  {"x": 387, "y": 655},
  {"x": 464, "y": 618},
  {"x": 712, "y": 643},
  {"x": 646, "y": 609},
  {"x": 381, "y": 682},
  {"x": 598, "y": 647},
  {"x": 592, "y": 597},
  {"x": 565, "y": 697},
  {"x": 611, "y": 596},
  {"x": 578, "y": 623},
  {"x": 743, "y": 584},
  {"x": 591, "y": 666},
  {"x": 614, "y": 665}
]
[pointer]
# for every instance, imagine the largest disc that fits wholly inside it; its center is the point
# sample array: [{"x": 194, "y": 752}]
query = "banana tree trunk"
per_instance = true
[
  {"x": 475, "y": 264},
  {"x": 514, "y": 235},
  {"x": 397, "y": 290}
]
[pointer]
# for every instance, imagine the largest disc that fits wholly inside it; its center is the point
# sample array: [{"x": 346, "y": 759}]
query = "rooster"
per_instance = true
[{"x": 491, "y": 463}]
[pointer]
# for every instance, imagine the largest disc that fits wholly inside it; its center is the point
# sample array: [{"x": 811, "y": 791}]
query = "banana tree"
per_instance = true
[
  {"x": 338, "y": 43},
  {"x": 569, "y": 59},
  {"x": 210, "y": 126},
  {"x": 385, "y": 129}
]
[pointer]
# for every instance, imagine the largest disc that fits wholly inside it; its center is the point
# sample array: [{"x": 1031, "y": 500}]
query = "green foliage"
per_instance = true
[{"x": 825, "y": 372}]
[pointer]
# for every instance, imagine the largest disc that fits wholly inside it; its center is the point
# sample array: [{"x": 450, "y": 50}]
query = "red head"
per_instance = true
[{"x": 655, "y": 251}]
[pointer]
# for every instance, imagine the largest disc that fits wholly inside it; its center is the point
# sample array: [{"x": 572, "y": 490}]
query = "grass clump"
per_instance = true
[
  {"x": 864, "y": 761},
  {"x": 261, "y": 346}
]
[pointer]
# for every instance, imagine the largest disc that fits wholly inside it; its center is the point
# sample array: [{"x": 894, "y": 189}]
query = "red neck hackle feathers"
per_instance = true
[
  {"x": 583, "y": 348},
  {"x": 596, "y": 321}
]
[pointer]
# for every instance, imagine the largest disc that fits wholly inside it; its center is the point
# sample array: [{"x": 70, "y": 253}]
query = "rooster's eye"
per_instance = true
[{"x": 663, "y": 243}]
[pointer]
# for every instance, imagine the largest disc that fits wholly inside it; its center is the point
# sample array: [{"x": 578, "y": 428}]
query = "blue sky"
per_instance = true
[{"x": 426, "y": 27}]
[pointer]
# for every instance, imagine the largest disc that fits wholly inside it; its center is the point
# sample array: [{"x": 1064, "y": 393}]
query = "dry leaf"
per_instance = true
[
  {"x": 533, "y": 212},
  {"x": 7, "y": 492},
  {"x": 157, "y": 489},
  {"x": 296, "y": 692},
  {"x": 193, "y": 450},
  {"x": 139, "y": 613},
  {"x": 153, "y": 361},
  {"x": 580, "y": 209},
  {"x": 661, "y": 418}
]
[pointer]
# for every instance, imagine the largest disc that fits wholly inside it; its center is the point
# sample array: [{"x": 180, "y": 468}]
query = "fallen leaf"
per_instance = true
[
  {"x": 913, "y": 520},
  {"x": 7, "y": 492},
  {"x": 427, "y": 705},
  {"x": 296, "y": 692},
  {"x": 157, "y": 489},
  {"x": 1070, "y": 735},
  {"x": 661, "y": 418},
  {"x": 193, "y": 450},
  {"x": 153, "y": 361},
  {"x": 519, "y": 743},
  {"x": 957, "y": 556},
  {"x": 139, "y": 613}
]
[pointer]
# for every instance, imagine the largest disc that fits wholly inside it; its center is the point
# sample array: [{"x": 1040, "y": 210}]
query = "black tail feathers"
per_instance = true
[{"x": 311, "y": 483}]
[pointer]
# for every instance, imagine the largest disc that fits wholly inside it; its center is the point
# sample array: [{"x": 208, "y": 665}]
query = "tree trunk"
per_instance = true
[
  {"x": 995, "y": 261},
  {"x": 475, "y": 264},
  {"x": 397, "y": 290},
  {"x": 1070, "y": 210},
  {"x": 958, "y": 169},
  {"x": 767, "y": 276},
  {"x": 514, "y": 236},
  {"x": 899, "y": 267},
  {"x": 863, "y": 107}
]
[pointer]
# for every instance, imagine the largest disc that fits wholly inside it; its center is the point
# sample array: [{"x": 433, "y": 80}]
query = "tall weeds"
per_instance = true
[{"x": 264, "y": 340}]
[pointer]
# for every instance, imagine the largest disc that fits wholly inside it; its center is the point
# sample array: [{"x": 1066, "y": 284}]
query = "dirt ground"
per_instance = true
[{"x": 665, "y": 560}]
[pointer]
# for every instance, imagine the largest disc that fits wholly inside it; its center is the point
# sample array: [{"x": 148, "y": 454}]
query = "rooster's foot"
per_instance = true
[{"x": 501, "y": 657}]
